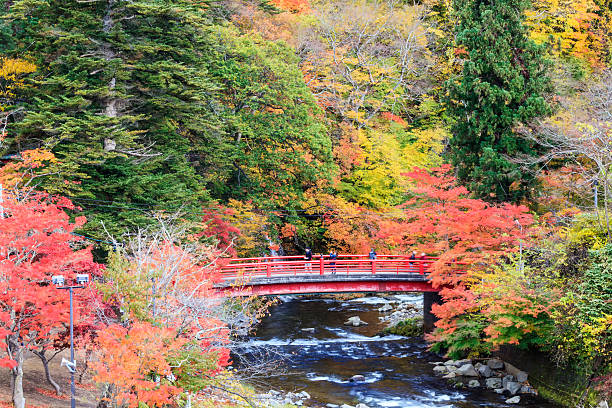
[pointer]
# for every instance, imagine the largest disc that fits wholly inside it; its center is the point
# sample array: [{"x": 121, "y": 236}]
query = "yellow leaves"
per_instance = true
[
  {"x": 253, "y": 238},
  {"x": 592, "y": 334},
  {"x": 571, "y": 26},
  {"x": 426, "y": 151},
  {"x": 12, "y": 72}
]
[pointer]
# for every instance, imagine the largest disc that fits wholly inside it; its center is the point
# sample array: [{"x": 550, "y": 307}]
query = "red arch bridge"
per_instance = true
[{"x": 294, "y": 275}]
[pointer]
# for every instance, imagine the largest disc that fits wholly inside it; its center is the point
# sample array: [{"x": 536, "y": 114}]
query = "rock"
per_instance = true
[
  {"x": 527, "y": 389},
  {"x": 520, "y": 376},
  {"x": 304, "y": 395},
  {"x": 361, "y": 405},
  {"x": 506, "y": 380},
  {"x": 355, "y": 321},
  {"x": 495, "y": 364},
  {"x": 467, "y": 370},
  {"x": 440, "y": 369},
  {"x": 357, "y": 378},
  {"x": 437, "y": 362},
  {"x": 477, "y": 366},
  {"x": 450, "y": 375},
  {"x": 385, "y": 308},
  {"x": 484, "y": 370},
  {"x": 299, "y": 403},
  {"x": 500, "y": 390},
  {"x": 474, "y": 383},
  {"x": 513, "y": 400},
  {"x": 308, "y": 329},
  {"x": 493, "y": 383},
  {"x": 346, "y": 406},
  {"x": 450, "y": 363},
  {"x": 452, "y": 368},
  {"x": 513, "y": 386},
  {"x": 459, "y": 363},
  {"x": 273, "y": 392}
]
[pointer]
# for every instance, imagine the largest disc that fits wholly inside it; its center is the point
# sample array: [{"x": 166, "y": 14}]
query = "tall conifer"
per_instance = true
[{"x": 502, "y": 85}]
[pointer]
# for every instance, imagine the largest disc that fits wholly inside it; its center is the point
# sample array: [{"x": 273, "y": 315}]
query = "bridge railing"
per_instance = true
[{"x": 322, "y": 265}]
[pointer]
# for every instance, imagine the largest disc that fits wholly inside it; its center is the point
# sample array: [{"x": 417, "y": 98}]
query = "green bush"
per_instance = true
[{"x": 410, "y": 328}]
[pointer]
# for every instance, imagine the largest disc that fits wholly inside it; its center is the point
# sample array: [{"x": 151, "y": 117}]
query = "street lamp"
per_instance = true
[{"x": 58, "y": 280}]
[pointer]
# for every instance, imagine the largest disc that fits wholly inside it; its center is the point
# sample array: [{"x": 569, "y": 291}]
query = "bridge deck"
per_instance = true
[{"x": 348, "y": 273}]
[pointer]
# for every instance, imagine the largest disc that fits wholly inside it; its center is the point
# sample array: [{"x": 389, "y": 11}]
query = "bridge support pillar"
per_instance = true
[{"x": 429, "y": 320}]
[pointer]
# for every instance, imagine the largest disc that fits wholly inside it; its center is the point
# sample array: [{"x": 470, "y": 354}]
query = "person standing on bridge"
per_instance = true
[
  {"x": 412, "y": 258},
  {"x": 372, "y": 254},
  {"x": 333, "y": 255},
  {"x": 308, "y": 258}
]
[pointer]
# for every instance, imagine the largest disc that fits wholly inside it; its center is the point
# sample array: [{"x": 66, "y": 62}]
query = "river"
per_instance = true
[{"x": 397, "y": 369}]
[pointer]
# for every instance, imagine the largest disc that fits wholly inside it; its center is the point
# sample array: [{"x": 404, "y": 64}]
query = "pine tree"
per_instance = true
[{"x": 502, "y": 84}]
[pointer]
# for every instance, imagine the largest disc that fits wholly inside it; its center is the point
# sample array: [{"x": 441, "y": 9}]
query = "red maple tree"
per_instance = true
[
  {"x": 36, "y": 242},
  {"x": 466, "y": 234}
]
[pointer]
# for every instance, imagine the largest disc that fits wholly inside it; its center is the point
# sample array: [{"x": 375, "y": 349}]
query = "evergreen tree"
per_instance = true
[
  {"x": 123, "y": 91},
  {"x": 502, "y": 85},
  {"x": 151, "y": 104}
]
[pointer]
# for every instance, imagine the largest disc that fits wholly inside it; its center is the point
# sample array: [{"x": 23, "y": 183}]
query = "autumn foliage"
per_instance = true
[{"x": 472, "y": 240}]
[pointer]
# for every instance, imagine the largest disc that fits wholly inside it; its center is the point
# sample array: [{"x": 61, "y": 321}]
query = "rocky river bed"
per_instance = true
[{"x": 327, "y": 361}]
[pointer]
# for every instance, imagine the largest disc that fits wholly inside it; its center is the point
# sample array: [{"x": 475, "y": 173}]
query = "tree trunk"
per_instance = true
[
  {"x": 17, "y": 379},
  {"x": 50, "y": 380},
  {"x": 606, "y": 188}
]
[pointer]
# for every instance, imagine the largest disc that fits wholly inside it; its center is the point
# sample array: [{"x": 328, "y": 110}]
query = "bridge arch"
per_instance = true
[{"x": 294, "y": 275}]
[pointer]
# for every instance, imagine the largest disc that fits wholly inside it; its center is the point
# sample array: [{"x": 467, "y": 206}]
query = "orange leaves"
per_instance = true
[
  {"x": 287, "y": 231},
  {"x": 393, "y": 118},
  {"x": 135, "y": 360},
  {"x": 293, "y": 6},
  {"x": 22, "y": 168}
]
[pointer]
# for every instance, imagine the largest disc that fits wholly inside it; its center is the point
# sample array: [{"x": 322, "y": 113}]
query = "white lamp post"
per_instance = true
[{"x": 58, "y": 281}]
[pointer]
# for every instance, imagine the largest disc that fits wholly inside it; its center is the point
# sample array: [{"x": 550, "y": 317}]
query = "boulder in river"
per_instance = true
[
  {"x": 357, "y": 378},
  {"x": 361, "y": 406},
  {"x": 520, "y": 376},
  {"x": 473, "y": 383},
  {"x": 385, "y": 308},
  {"x": 308, "y": 329},
  {"x": 513, "y": 387},
  {"x": 467, "y": 370},
  {"x": 513, "y": 400},
  {"x": 355, "y": 321},
  {"x": 485, "y": 371},
  {"x": 440, "y": 369},
  {"x": 495, "y": 364},
  {"x": 506, "y": 380},
  {"x": 493, "y": 383}
]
